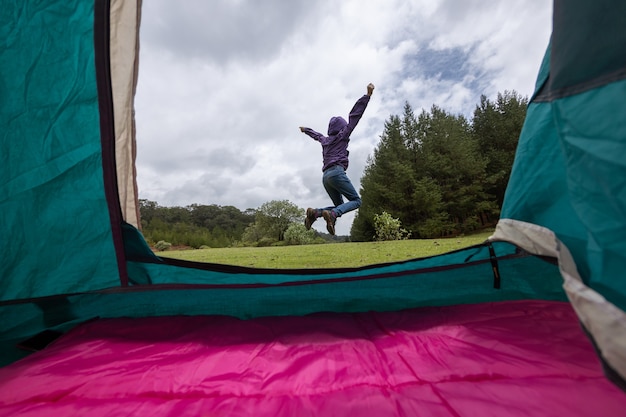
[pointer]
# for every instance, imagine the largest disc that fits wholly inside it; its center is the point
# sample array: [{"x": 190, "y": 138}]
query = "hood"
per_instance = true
[{"x": 336, "y": 124}]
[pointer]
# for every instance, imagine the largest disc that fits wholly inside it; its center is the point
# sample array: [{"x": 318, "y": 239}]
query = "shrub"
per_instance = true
[
  {"x": 388, "y": 228},
  {"x": 296, "y": 234},
  {"x": 162, "y": 245}
]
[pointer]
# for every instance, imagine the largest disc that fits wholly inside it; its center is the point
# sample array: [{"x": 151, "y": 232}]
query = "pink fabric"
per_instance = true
[{"x": 526, "y": 358}]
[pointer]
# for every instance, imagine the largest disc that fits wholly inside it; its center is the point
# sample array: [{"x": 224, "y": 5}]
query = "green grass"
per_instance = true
[{"x": 352, "y": 254}]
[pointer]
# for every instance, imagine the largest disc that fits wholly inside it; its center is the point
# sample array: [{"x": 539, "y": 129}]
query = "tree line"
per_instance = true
[
  {"x": 433, "y": 175},
  {"x": 276, "y": 222},
  {"x": 195, "y": 225}
]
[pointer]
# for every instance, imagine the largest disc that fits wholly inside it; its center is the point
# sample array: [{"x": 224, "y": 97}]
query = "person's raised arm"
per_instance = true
[
  {"x": 357, "y": 111},
  {"x": 310, "y": 132}
]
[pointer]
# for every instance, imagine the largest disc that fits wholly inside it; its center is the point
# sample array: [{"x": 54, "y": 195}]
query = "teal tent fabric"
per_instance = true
[
  {"x": 570, "y": 165},
  {"x": 55, "y": 218},
  {"x": 569, "y": 174}
]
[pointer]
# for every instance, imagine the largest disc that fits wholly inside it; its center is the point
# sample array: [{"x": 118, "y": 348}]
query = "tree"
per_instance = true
[
  {"x": 147, "y": 209},
  {"x": 228, "y": 219},
  {"x": 204, "y": 216},
  {"x": 388, "y": 181},
  {"x": 430, "y": 216},
  {"x": 251, "y": 235},
  {"x": 274, "y": 218},
  {"x": 496, "y": 128},
  {"x": 451, "y": 157}
]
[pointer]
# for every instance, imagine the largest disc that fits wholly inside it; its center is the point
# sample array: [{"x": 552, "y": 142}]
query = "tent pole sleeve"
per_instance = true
[{"x": 107, "y": 129}]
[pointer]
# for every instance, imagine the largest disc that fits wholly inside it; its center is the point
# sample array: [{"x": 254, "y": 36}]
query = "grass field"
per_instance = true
[{"x": 337, "y": 255}]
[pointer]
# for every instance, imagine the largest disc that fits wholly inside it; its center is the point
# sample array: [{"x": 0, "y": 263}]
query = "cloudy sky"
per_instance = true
[{"x": 225, "y": 84}]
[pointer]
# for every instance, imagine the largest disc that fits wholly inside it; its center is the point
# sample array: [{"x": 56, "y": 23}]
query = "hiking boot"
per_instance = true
[
  {"x": 311, "y": 216},
  {"x": 330, "y": 218}
]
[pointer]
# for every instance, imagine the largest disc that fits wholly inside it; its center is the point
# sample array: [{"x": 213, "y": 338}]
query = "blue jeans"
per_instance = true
[{"x": 337, "y": 184}]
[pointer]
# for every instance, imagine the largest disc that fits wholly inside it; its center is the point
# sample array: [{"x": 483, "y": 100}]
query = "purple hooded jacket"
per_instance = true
[{"x": 335, "y": 145}]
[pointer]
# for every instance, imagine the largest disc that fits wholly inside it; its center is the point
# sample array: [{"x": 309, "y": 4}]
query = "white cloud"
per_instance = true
[{"x": 224, "y": 85}]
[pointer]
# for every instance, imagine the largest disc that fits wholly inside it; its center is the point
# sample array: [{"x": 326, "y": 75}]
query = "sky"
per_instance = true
[{"x": 225, "y": 84}]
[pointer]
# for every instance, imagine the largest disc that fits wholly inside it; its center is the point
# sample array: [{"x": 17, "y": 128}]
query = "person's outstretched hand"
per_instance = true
[
  {"x": 370, "y": 89},
  {"x": 302, "y": 128}
]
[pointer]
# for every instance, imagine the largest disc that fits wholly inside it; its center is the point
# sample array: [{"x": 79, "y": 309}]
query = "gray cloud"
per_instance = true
[{"x": 223, "y": 30}]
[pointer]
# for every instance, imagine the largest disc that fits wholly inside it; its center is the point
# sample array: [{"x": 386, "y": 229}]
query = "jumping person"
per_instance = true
[{"x": 335, "y": 162}]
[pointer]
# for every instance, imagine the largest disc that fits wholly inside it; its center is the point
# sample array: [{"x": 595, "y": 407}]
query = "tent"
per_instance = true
[{"x": 531, "y": 322}]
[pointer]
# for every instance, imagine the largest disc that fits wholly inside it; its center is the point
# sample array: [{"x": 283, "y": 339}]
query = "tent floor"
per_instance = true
[{"x": 521, "y": 358}]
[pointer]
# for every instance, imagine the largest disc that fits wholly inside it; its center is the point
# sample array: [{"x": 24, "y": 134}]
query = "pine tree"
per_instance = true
[
  {"x": 452, "y": 159},
  {"x": 387, "y": 183},
  {"x": 496, "y": 127}
]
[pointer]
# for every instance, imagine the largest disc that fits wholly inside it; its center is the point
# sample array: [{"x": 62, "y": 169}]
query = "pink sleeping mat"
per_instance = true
[{"x": 522, "y": 358}]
